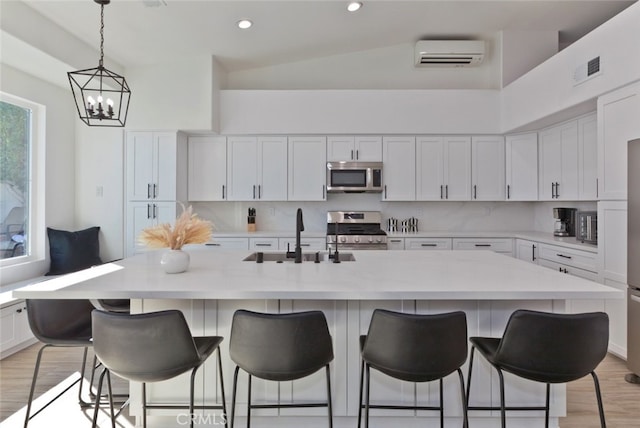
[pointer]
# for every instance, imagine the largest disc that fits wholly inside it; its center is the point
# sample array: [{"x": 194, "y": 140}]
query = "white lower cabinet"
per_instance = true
[
  {"x": 307, "y": 244},
  {"x": 14, "y": 328},
  {"x": 527, "y": 250},
  {"x": 229, "y": 243},
  {"x": 498, "y": 245},
  {"x": 263, "y": 244},
  {"x": 427, "y": 244},
  {"x": 395, "y": 244}
]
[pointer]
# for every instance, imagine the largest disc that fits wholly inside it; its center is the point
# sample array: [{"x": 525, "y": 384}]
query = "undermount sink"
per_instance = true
[{"x": 306, "y": 257}]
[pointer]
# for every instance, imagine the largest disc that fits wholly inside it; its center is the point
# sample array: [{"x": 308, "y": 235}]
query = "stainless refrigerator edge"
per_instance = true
[{"x": 633, "y": 262}]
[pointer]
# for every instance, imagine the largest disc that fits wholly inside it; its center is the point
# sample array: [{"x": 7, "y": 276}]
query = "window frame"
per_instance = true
[{"x": 36, "y": 212}]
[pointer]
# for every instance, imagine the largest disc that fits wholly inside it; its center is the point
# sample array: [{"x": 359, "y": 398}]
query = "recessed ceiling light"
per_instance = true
[
  {"x": 353, "y": 6},
  {"x": 244, "y": 24}
]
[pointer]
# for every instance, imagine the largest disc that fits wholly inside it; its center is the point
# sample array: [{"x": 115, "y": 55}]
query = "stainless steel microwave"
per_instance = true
[{"x": 354, "y": 177}]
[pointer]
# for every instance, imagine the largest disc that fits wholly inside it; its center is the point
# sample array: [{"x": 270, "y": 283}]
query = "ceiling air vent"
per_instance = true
[
  {"x": 587, "y": 71},
  {"x": 449, "y": 53}
]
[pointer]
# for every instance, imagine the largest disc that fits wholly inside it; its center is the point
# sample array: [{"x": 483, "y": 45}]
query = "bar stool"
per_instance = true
[
  {"x": 280, "y": 347},
  {"x": 59, "y": 323},
  {"x": 413, "y": 348},
  {"x": 545, "y": 347},
  {"x": 151, "y": 347}
]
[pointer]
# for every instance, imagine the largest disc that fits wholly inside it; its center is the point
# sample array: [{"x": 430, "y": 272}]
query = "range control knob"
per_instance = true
[
  {"x": 343, "y": 239},
  {"x": 378, "y": 240},
  {"x": 370, "y": 239},
  {"x": 356, "y": 239}
]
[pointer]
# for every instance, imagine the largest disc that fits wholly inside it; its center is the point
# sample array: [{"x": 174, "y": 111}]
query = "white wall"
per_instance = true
[
  {"x": 60, "y": 157},
  {"x": 100, "y": 189},
  {"x": 389, "y": 67},
  {"x": 523, "y": 50},
  {"x": 549, "y": 88},
  {"x": 174, "y": 95},
  {"x": 360, "y": 111}
]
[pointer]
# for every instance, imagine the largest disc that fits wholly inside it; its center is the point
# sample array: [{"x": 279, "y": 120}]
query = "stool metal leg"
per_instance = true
[
  {"x": 503, "y": 410},
  {"x": 233, "y": 395},
  {"x": 98, "y": 395},
  {"x": 441, "y": 404},
  {"x": 596, "y": 384},
  {"x": 249, "y": 404},
  {"x": 360, "y": 395},
  {"x": 144, "y": 405},
  {"x": 366, "y": 406},
  {"x": 191, "y": 393},
  {"x": 546, "y": 407},
  {"x": 473, "y": 349},
  {"x": 329, "y": 405},
  {"x": 224, "y": 400},
  {"x": 113, "y": 416},
  {"x": 465, "y": 416}
]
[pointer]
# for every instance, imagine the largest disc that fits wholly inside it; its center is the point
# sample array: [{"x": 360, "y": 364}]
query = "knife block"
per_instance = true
[{"x": 251, "y": 224}]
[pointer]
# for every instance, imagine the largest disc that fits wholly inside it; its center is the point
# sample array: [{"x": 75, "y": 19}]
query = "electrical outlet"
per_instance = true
[{"x": 99, "y": 191}]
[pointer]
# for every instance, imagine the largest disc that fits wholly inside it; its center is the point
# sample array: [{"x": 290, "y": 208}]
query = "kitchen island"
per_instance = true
[{"x": 487, "y": 286}]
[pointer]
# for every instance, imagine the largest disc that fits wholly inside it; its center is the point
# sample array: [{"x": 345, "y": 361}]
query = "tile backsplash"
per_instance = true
[{"x": 432, "y": 216}]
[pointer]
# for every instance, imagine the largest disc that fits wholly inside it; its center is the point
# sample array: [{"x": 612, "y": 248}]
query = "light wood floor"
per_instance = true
[{"x": 621, "y": 399}]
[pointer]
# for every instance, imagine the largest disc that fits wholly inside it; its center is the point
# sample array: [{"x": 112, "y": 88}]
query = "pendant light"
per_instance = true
[{"x": 101, "y": 96}]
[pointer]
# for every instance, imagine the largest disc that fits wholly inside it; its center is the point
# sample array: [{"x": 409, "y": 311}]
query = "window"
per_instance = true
[{"x": 18, "y": 184}]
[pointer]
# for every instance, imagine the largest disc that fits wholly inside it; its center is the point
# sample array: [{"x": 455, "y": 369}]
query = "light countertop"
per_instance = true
[{"x": 375, "y": 275}]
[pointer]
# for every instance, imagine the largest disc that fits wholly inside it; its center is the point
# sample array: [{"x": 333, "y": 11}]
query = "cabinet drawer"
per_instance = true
[
  {"x": 395, "y": 244},
  {"x": 263, "y": 244},
  {"x": 307, "y": 244},
  {"x": 499, "y": 245},
  {"x": 229, "y": 244},
  {"x": 427, "y": 243},
  {"x": 570, "y": 257},
  {"x": 582, "y": 273}
]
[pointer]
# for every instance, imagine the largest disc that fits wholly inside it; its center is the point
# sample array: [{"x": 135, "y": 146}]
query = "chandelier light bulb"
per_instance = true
[{"x": 99, "y": 98}]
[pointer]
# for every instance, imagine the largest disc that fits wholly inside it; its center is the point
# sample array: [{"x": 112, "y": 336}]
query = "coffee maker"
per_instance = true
[{"x": 565, "y": 222}]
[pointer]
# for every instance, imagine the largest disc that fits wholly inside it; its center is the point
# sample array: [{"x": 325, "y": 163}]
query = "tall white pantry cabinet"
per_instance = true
[
  {"x": 156, "y": 179},
  {"x": 618, "y": 114}
]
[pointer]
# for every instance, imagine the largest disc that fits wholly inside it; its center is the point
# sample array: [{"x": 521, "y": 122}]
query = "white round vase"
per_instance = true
[{"x": 175, "y": 261}]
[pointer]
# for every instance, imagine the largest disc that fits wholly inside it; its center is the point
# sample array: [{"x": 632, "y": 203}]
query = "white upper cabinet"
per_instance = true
[
  {"x": 156, "y": 164},
  {"x": 307, "y": 169},
  {"x": 521, "y": 167},
  {"x": 558, "y": 154},
  {"x": 487, "y": 168},
  {"x": 618, "y": 114},
  {"x": 443, "y": 168},
  {"x": 354, "y": 148},
  {"x": 457, "y": 168},
  {"x": 430, "y": 168},
  {"x": 207, "y": 168},
  {"x": 257, "y": 168},
  {"x": 588, "y": 158},
  {"x": 272, "y": 168},
  {"x": 399, "y": 171}
]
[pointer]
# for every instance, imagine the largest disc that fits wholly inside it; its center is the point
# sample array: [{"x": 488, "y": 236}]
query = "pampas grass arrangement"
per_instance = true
[{"x": 189, "y": 229}]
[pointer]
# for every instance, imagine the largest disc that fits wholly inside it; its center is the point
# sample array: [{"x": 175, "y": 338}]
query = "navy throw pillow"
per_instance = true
[{"x": 73, "y": 251}]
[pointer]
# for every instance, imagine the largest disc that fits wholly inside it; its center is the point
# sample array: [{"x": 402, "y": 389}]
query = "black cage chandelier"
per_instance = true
[{"x": 101, "y": 96}]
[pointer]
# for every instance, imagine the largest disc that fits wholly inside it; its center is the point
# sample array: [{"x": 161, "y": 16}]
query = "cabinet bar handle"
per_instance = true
[
  {"x": 212, "y": 244},
  {"x": 262, "y": 245},
  {"x": 385, "y": 191},
  {"x": 441, "y": 186},
  {"x": 597, "y": 189},
  {"x": 155, "y": 191},
  {"x": 305, "y": 245},
  {"x": 148, "y": 210},
  {"x": 483, "y": 245},
  {"x": 395, "y": 240},
  {"x": 19, "y": 310},
  {"x": 428, "y": 245},
  {"x": 475, "y": 192},
  {"x": 446, "y": 191},
  {"x": 155, "y": 214},
  {"x": 635, "y": 298},
  {"x": 254, "y": 191},
  {"x": 557, "y": 190},
  {"x": 533, "y": 253},
  {"x": 563, "y": 256},
  {"x": 259, "y": 191},
  {"x": 323, "y": 193},
  {"x": 357, "y": 154},
  {"x": 148, "y": 190},
  {"x": 553, "y": 190},
  {"x": 508, "y": 191},
  {"x": 223, "y": 189},
  {"x": 351, "y": 154}
]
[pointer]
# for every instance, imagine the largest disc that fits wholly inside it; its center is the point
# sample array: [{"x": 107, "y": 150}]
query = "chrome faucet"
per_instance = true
[{"x": 299, "y": 228}]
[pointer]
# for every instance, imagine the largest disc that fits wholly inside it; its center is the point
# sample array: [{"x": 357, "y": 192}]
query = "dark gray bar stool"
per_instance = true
[
  {"x": 413, "y": 348},
  {"x": 280, "y": 347},
  {"x": 548, "y": 348},
  {"x": 151, "y": 347},
  {"x": 59, "y": 323}
]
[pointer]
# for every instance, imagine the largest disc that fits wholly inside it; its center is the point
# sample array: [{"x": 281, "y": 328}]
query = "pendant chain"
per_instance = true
[{"x": 101, "y": 34}]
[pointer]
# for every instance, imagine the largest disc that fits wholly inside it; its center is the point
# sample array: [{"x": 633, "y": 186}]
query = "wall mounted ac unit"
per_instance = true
[{"x": 449, "y": 53}]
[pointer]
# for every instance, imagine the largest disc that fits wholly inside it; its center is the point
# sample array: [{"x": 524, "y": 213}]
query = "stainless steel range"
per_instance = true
[{"x": 355, "y": 230}]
